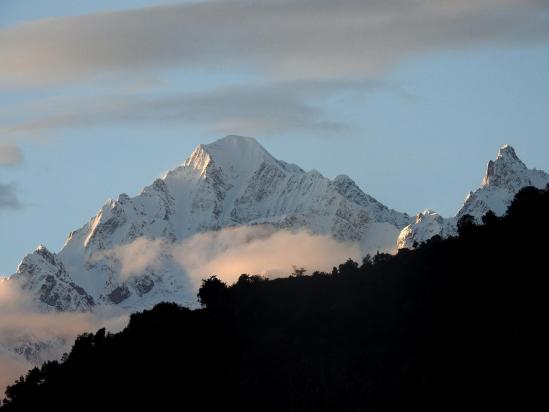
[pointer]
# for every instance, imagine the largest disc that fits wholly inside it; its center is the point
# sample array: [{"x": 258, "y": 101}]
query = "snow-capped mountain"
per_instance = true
[
  {"x": 503, "y": 179},
  {"x": 235, "y": 182},
  {"x": 231, "y": 182},
  {"x": 428, "y": 224},
  {"x": 44, "y": 274}
]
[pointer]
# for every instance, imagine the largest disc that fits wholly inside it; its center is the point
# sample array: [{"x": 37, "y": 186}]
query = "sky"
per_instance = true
[{"x": 410, "y": 98}]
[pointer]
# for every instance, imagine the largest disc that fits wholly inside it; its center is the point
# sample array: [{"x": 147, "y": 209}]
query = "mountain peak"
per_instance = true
[
  {"x": 235, "y": 139},
  {"x": 235, "y": 155},
  {"x": 198, "y": 160},
  {"x": 507, "y": 166},
  {"x": 504, "y": 177},
  {"x": 45, "y": 253},
  {"x": 507, "y": 152},
  {"x": 41, "y": 248},
  {"x": 233, "y": 147},
  {"x": 40, "y": 255}
]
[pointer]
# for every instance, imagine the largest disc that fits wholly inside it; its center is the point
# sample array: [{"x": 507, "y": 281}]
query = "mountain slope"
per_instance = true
[
  {"x": 231, "y": 182},
  {"x": 503, "y": 179},
  {"x": 454, "y": 323}
]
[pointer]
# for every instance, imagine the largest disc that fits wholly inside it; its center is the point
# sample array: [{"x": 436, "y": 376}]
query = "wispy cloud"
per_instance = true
[
  {"x": 10, "y": 154},
  {"x": 280, "y": 38},
  {"x": 249, "y": 109},
  {"x": 291, "y": 57},
  {"x": 134, "y": 258},
  {"x": 8, "y": 197}
]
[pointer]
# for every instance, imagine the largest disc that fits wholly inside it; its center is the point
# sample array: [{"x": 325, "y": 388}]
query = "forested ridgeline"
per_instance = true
[{"x": 456, "y": 324}]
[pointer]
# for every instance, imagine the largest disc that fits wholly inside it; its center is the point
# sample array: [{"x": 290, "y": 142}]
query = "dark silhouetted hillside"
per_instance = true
[{"x": 457, "y": 324}]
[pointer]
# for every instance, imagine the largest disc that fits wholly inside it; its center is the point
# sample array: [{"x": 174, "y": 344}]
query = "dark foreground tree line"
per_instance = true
[{"x": 457, "y": 324}]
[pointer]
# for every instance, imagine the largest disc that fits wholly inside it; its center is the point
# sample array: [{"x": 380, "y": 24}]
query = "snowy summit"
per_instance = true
[{"x": 503, "y": 179}]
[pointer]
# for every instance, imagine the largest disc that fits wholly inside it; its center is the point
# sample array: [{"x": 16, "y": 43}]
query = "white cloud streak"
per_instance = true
[{"x": 247, "y": 110}]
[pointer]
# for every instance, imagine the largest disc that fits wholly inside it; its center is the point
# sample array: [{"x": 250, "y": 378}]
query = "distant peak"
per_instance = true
[
  {"x": 41, "y": 248},
  {"x": 235, "y": 144},
  {"x": 506, "y": 167},
  {"x": 45, "y": 253},
  {"x": 427, "y": 212},
  {"x": 507, "y": 152},
  {"x": 234, "y": 154},
  {"x": 344, "y": 183},
  {"x": 343, "y": 178},
  {"x": 428, "y": 215},
  {"x": 236, "y": 139}
]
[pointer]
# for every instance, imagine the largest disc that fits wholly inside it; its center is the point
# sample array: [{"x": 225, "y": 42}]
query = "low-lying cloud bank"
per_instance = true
[
  {"x": 227, "y": 253},
  {"x": 230, "y": 252},
  {"x": 29, "y": 337}
]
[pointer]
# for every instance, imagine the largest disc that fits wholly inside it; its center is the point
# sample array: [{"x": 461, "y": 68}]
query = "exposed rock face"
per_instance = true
[{"x": 43, "y": 275}]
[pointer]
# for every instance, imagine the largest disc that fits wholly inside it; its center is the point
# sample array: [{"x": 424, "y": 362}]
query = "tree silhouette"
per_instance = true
[
  {"x": 212, "y": 293},
  {"x": 298, "y": 271},
  {"x": 466, "y": 225}
]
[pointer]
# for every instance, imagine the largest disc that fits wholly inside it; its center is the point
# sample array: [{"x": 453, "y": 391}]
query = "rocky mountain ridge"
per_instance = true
[{"x": 504, "y": 177}]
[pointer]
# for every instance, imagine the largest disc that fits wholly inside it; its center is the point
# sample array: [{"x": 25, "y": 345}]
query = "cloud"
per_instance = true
[
  {"x": 134, "y": 258},
  {"x": 22, "y": 327},
  {"x": 12, "y": 367},
  {"x": 10, "y": 155},
  {"x": 289, "y": 58},
  {"x": 244, "y": 109},
  {"x": 53, "y": 332},
  {"x": 259, "y": 250},
  {"x": 229, "y": 252},
  {"x": 8, "y": 197},
  {"x": 292, "y": 39}
]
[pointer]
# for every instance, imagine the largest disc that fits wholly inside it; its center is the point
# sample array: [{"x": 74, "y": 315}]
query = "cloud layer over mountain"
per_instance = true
[{"x": 230, "y": 252}]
